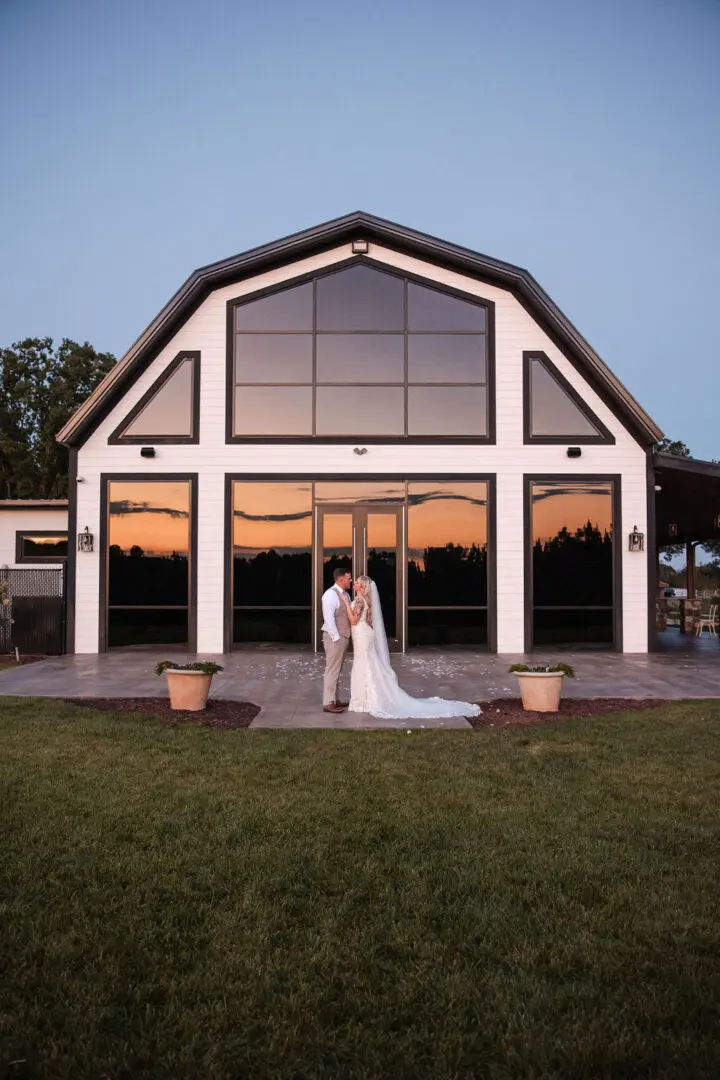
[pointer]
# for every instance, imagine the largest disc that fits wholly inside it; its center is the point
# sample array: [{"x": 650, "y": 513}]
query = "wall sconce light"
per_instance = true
[
  {"x": 636, "y": 540},
  {"x": 360, "y": 247},
  {"x": 85, "y": 540},
  {"x": 574, "y": 451},
  {"x": 672, "y": 529},
  {"x": 147, "y": 451}
]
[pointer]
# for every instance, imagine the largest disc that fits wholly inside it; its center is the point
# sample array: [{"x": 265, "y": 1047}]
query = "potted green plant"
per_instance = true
[
  {"x": 188, "y": 684},
  {"x": 541, "y": 685}
]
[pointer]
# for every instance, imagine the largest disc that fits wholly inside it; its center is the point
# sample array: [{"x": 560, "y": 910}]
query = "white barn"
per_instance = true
[{"x": 361, "y": 394}]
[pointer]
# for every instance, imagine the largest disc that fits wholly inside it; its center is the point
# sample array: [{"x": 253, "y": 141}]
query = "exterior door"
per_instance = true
[{"x": 366, "y": 540}]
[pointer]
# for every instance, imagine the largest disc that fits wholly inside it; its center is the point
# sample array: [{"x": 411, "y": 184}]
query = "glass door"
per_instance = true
[{"x": 365, "y": 540}]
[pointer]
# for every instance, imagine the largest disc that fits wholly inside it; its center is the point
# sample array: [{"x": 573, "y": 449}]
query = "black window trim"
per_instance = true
[
  {"x": 145, "y": 478},
  {"x": 578, "y": 478},
  {"x": 117, "y": 437},
  {"x": 604, "y": 436},
  {"x": 20, "y": 534},
  {"x": 325, "y": 440},
  {"x": 398, "y": 476}
]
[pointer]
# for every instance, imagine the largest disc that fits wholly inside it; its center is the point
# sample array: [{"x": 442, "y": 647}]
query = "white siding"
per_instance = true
[
  {"x": 30, "y": 520},
  {"x": 509, "y": 459}
]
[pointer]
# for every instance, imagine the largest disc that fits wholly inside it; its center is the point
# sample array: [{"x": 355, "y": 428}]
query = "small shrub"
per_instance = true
[
  {"x": 206, "y": 667},
  {"x": 543, "y": 669}
]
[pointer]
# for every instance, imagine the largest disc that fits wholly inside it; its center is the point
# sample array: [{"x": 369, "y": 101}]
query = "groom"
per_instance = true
[{"x": 336, "y": 638}]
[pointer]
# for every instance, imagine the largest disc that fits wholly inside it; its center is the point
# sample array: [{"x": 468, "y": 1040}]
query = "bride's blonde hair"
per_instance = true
[{"x": 366, "y": 582}]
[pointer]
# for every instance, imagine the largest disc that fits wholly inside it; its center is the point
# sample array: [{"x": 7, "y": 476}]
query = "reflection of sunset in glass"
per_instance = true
[
  {"x": 382, "y": 531},
  {"x": 153, "y": 515},
  {"x": 559, "y": 505},
  {"x": 277, "y": 516},
  {"x": 337, "y": 535},
  {"x": 354, "y": 491},
  {"x": 446, "y": 513}
]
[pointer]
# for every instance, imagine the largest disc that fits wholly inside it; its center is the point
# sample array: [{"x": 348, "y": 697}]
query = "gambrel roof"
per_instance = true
[{"x": 359, "y": 226}]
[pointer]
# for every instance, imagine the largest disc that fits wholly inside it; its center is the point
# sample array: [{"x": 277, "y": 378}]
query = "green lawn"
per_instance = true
[{"x": 182, "y": 902}]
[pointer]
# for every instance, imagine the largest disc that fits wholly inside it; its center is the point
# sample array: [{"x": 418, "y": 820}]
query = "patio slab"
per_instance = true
[{"x": 287, "y": 684}]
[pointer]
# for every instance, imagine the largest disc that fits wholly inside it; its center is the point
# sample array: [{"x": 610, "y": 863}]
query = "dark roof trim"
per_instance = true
[
  {"x": 33, "y": 504},
  {"x": 363, "y": 226},
  {"x": 687, "y": 465}
]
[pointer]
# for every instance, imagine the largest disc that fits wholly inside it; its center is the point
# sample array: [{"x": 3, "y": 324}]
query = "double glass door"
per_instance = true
[{"x": 365, "y": 540}]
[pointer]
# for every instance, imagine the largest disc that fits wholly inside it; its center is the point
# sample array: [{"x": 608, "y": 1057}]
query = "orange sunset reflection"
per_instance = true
[
  {"x": 571, "y": 506},
  {"x": 154, "y": 516}
]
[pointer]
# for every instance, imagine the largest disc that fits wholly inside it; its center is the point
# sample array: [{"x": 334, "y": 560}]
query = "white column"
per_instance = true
[
  {"x": 510, "y": 588},
  {"x": 210, "y": 561}
]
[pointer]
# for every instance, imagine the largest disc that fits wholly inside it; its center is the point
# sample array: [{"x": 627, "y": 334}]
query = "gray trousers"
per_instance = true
[{"x": 334, "y": 655}]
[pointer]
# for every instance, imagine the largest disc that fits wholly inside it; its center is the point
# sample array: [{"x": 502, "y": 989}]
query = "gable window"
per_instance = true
[
  {"x": 169, "y": 412},
  {"x": 554, "y": 411},
  {"x": 359, "y": 353},
  {"x": 41, "y": 546}
]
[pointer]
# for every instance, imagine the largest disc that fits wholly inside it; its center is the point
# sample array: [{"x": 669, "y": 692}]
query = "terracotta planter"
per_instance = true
[
  {"x": 188, "y": 689},
  {"x": 540, "y": 690}
]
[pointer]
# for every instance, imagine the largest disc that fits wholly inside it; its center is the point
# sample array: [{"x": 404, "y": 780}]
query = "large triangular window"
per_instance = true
[
  {"x": 169, "y": 412},
  {"x": 554, "y": 411}
]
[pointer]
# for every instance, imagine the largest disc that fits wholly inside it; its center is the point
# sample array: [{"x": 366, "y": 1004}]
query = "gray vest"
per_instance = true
[{"x": 341, "y": 619}]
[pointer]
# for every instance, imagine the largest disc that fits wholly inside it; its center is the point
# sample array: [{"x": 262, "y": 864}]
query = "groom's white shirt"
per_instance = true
[{"x": 330, "y": 603}]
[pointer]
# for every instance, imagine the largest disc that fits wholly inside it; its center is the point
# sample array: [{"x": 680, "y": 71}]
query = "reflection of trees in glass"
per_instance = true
[
  {"x": 382, "y": 568},
  {"x": 574, "y": 568},
  {"x": 449, "y": 575},
  {"x": 137, "y": 578},
  {"x": 273, "y": 577}
]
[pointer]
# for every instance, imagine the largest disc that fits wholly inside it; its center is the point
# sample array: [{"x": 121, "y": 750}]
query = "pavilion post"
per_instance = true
[{"x": 690, "y": 571}]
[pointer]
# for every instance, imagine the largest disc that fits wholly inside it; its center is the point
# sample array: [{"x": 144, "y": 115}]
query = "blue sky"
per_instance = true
[{"x": 142, "y": 139}]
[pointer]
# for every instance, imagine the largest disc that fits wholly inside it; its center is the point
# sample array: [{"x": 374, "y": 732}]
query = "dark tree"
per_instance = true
[{"x": 41, "y": 386}]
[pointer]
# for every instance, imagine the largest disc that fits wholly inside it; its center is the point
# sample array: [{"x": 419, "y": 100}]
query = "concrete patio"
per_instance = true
[{"x": 286, "y": 684}]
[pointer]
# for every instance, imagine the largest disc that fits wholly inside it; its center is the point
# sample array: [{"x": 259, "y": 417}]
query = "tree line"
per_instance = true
[{"x": 41, "y": 386}]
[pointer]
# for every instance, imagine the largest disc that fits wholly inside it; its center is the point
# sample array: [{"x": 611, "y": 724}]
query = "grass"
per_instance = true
[{"x": 187, "y": 903}]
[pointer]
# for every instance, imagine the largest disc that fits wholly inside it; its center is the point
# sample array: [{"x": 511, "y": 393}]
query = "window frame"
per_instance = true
[
  {"x": 617, "y": 605},
  {"x": 27, "y": 560},
  {"x": 106, "y": 479},
  {"x": 117, "y": 438},
  {"x": 325, "y": 440},
  {"x": 400, "y": 477},
  {"x": 604, "y": 436}
]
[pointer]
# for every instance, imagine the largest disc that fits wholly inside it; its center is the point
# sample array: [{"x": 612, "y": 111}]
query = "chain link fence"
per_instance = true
[{"x": 32, "y": 610}]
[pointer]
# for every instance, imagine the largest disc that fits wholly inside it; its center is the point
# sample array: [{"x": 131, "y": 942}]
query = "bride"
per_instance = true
[{"x": 374, "y": 686}]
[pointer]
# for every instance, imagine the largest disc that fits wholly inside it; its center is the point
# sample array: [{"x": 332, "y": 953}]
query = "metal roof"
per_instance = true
[{"x": 358, "y": 226}]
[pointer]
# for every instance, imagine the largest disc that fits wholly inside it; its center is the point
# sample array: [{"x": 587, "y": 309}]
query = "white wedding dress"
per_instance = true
[{"x": 374, "y": 686}]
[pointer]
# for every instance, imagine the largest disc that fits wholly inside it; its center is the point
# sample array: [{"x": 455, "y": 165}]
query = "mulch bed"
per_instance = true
[
  {"x": 503, "y": 712},
  {"x": 219, "y": 713}
]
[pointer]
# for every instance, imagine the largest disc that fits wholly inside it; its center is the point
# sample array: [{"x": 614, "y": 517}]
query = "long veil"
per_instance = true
[{"x": 380, "y": 637}]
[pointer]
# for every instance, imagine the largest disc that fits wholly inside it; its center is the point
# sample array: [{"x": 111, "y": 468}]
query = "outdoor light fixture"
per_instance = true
[
  {"x": 672, "y": 529},
  {"x": 636, "y": 540},
  {"x": 85, "y": 540},
  {"x": 147, "y": 451},
  {"x": 716, "y": 523},
  {"x": 360, "y": 247},
  {"x": 574, "y": 451}
]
